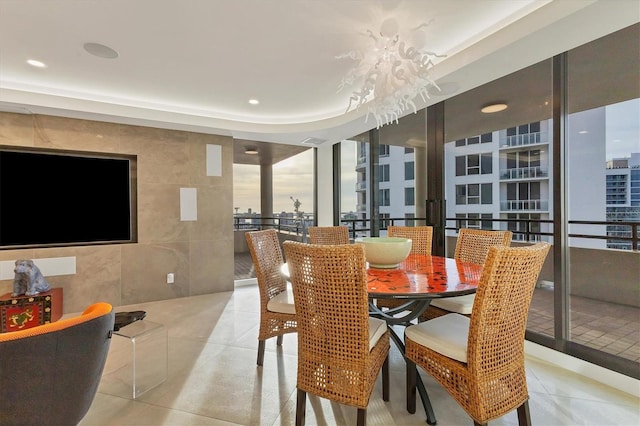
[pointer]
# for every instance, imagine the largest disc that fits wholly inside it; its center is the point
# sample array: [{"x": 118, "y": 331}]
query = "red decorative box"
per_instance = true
[{"x": 21, "y": 312}]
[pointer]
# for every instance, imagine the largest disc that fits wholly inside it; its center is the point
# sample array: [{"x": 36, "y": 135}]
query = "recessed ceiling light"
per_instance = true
[
  {"x": 36, "y": 64},
  {"x": 496, "y": 107},
  {"x": 583, "y": 132},
  {"x": 251, "y": 151},
  {"x": 254, "y": 101},
  {"x": 100, "y": 50}
]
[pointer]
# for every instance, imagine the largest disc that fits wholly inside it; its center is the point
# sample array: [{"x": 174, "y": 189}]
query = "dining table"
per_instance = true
[{"x": 417, "y": 281}]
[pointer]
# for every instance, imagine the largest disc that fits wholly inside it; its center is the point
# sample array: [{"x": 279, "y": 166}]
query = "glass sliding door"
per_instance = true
[
  {"x": 497, "y": 169},
  {"x": 603, "y": 199}
]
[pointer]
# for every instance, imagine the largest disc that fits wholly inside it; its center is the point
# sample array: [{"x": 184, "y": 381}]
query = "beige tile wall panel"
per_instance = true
[
  {"x": 146, "y": 269},
  {"x": 208, "y": 272},
  {"x": 16, "y": 129},
  {"x": 199, "y": 253},
  {"x": 77, "y": 135}
]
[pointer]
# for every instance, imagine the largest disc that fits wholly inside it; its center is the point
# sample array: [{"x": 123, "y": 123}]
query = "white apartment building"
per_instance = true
[{"x": 503, "y": 180}]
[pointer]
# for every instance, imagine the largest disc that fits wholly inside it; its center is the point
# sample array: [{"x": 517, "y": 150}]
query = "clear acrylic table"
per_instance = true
[{"x": 137, "y": 360}]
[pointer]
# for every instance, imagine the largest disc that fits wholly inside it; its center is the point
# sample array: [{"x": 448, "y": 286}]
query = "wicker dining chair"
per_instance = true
[
  {"x": 421, "y": 243},
  {"x": 420, "y": 236},
  {"x": 341, "y": 350},
  {"x": 472, "y": 246},
  {"x": 277, "y": 310},
  {"x": 328, "y": 235},
  {"x": 480, "y": 360}
]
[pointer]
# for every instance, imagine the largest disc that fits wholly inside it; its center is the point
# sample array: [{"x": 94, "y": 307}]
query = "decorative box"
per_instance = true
[{"x": 21, "y": 312}]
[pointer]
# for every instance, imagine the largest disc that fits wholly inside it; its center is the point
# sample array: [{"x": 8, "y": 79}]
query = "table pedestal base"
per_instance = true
[{"x": 415, "y": 308}]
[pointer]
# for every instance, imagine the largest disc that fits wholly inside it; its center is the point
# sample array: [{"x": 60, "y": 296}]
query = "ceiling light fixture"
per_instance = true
[
  {"x": 254, "y": 101},
  {"x": 494, "y": 107},
  {"x": 36, "y": 64},
  {"x": 389, "y": 75},
  {"x": 251, "y": 151}
]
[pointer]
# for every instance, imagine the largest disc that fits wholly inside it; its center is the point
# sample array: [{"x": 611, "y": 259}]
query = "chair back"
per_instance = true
[
  {"x": 330, "y": 293},
  {"x": 50, "y": 373},
  {"x": 266, "y": 254},
  {"x": 498, "y": 323},
  {"x": 421, "y": 237},
  {"x": 473, "y": 244},
  {"x": 328, "y": 235}
]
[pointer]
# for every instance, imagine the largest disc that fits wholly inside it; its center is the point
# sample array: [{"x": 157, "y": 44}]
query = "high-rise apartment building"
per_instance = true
[
  {"x": 502, "y": 180},
  {"x": 622, "y": 198}
]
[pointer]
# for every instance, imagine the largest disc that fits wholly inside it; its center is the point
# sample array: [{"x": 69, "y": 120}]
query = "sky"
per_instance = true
[
  {"x": 623, "y": 128},
  {"x": 292, "y": 177}
]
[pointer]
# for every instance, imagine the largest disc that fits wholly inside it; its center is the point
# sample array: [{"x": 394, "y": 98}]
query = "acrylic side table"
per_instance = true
[{"x": 137, "y": 360}]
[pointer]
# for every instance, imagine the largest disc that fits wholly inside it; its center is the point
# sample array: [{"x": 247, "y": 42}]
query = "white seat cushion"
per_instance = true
[
  {"x": 447, "y": 335},
  {"x": 283, "y": 302},
  {"x": 377, "y": 327},
  {"x": 459, "y": 304}
]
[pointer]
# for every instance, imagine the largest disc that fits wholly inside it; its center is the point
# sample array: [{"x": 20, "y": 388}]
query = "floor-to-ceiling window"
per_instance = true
[
  {"x": 560, "y": 164},
  {"x": 386, "y": 164},
  {"x": 603, "y": 197},
  {"x": 497, "y": 169}
]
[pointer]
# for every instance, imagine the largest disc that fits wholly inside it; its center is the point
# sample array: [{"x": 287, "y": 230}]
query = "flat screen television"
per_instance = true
[{"x": 62, "y": 198}]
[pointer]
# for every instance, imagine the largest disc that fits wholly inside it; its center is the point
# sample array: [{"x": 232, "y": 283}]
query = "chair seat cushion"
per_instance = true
[
  {"x": 447, "y": 335},
  {"x": 377, "y": 327},
  {"x": 283, "y": 303},
  {"x": 459, "y": 304}
]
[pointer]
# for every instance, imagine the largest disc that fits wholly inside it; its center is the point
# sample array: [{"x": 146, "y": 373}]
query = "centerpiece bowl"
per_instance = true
[{"x": 385, "y": 252}]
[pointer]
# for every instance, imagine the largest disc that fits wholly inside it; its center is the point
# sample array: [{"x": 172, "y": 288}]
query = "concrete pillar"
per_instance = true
[{"x": 266, "y": 193}]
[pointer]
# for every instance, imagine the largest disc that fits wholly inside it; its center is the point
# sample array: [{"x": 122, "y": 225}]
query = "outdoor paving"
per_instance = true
[{"x": 609, "y": 327}]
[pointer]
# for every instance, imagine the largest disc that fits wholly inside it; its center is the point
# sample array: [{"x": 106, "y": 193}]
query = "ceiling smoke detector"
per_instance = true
[{"x": 100, "y": 50}]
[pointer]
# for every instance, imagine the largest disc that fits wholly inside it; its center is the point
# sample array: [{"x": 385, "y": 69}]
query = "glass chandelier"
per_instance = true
[{"x": 390, "y": 75}]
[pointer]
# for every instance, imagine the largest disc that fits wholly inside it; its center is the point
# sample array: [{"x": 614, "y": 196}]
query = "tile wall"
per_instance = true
[{"x": 199, "y": 253}]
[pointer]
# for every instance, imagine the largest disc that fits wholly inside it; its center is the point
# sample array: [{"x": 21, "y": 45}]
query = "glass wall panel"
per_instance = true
[
  {"x": 496, "y": 169},
  {"x": 399, "y": 179},
  {"x": 355, "y": 184},
  {"x": 401, "y": 142},
  {"x": 603, "y": 164},
  {"x": 246, "y": 194},
  {"x": 293, "y": 189}
]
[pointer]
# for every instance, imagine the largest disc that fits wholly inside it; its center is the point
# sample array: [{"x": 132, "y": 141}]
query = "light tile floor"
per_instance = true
[{"x": 213, "y": 380}]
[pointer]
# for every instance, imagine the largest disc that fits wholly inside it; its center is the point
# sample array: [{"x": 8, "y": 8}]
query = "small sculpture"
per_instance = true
[{"x": 28, "y": 279}]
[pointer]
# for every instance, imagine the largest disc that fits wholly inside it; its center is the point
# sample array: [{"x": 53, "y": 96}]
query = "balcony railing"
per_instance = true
[
  {"x": 525, "y": 173},
  {"x": 528, "y": 230},
  {"x": 519, "y": 205},
  {"x": 522, "y": 140}
]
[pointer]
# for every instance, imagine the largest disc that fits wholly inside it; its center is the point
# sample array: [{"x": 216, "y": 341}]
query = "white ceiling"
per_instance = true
[{"x": 193, "y": 65}]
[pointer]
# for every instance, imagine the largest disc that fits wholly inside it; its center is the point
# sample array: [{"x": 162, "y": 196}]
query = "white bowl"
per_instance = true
[{"x": 385, "y": 252}]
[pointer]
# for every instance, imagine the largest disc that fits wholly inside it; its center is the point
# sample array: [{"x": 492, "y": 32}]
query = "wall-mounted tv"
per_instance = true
[{"x": 62, "y": 198}]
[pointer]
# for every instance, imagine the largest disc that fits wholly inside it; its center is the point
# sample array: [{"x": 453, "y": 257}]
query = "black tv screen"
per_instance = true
[{"x": 52, "y": 199}]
